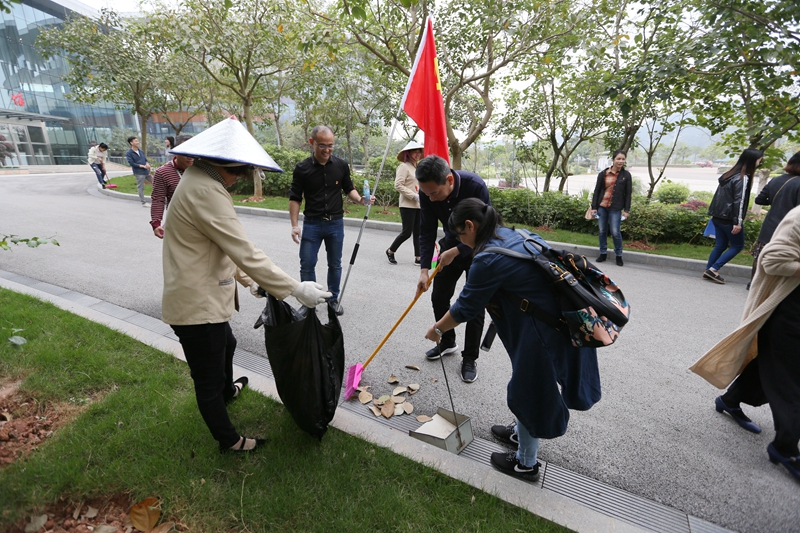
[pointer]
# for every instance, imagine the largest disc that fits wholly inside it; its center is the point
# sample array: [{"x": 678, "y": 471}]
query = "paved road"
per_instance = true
[{"x": 655, "y": 433}]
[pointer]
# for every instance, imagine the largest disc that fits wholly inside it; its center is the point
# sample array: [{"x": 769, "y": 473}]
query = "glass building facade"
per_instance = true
[{"x": 38, "y": 124}]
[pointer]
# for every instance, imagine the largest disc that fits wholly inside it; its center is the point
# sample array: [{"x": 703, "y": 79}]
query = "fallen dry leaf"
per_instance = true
[
  {"x": 398, "y": 410},
  {"x": 398, "y": 390},
  {"x": 77, "y": 512},
  {"x": 393, "y": 379},
  {"x": 424, "y": 418},
  {"x": 37, "y": 523},
  {"x": 375, "y": 410},
  {"x": 91, "y": 513},
  {"x": 413, "y": 386},
  {"x": 106, "y": 529},
  {"x": 163, "y": 528},
  {"x": 145, "y": 514},
  {"x": 364, "y": 397},
  {"x": 434, "y": 380},
  {"x": 412, "y": 367},
  {"x": 397, "y": 400},
  {"x": 387, "y": 410},
  {"x": 408, "y": 408},
  {"x": 363, "y": 388},
  {"x": 413, "y": 391},
  {"x": 382, "y": 400}
]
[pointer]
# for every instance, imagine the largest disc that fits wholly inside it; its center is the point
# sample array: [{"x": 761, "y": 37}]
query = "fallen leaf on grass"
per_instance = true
[
  {"x": 424, "y": 418},
  {"x": 91, "y": 513},
  {"x": 36, "y": 523},
  {"x": 375, "y": 410},
  {"x": 399, "y": 390},
  {"x": 393, "y": 379},
  {"x": 364, "y": 397},
  {"x": 145, "y": 514},
  {"x": 398, "y": 410},
  {"x": 77, "y": 512},
  {"x": 387, "y": 410},
  {"x": 408, "y": 408},
  {"x": 397, "y": 400},
  {"x": 163, "y": 528},
  {"x": 412, "y": 367}
]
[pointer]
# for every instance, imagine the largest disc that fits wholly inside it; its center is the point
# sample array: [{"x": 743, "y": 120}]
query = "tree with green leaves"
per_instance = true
[
  {"x": 477, "y": 43},
  {"x": 110, "y": 59}
]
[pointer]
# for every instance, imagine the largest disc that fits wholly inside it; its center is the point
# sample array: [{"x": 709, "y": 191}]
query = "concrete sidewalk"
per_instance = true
[{"x": 566, "y": 498}]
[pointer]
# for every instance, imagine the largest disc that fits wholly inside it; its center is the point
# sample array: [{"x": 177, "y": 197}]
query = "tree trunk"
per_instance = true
[
  {"x": 763, "y": 176},
  {"x": 278, "y": 133},
  {"x": 365, "y": 144},
  {"x": 143, "y": 116},
  {"x": 258, "y": 191},
  {"x": 456, "y": 154}
]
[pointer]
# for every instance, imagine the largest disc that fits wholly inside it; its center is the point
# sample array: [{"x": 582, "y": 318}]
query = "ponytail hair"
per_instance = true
[{"x": 484, "y": 216}]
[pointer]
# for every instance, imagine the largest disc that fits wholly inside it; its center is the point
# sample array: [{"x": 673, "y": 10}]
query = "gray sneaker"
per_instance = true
[{"x": 469, "y": 370}]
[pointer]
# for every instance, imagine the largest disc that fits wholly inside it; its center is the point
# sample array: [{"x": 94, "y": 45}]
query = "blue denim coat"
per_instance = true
[{"x": 541, "y": 357}]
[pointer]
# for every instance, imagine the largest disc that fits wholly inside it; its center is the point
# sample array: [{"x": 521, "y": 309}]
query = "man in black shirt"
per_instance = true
[
  {"x": 322, "y": 178},
  {"x": 441, "y": 188}
]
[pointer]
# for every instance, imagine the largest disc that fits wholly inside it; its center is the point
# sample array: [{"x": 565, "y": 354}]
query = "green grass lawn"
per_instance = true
[
  {"x": 127, "y": 184},
  {"x": 141, "y": 434}
]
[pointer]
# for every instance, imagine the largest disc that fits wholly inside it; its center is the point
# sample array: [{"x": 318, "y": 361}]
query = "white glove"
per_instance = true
[
  {"x": 254, "y": 290},
  {"x": 416, "y": 198},
  {"x": 310, "y": 293}
]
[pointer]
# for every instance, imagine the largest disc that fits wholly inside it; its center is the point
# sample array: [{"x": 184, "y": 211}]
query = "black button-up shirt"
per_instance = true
[
  {"x": 465, "y": 185},
  {"x": 322, "y": 186}
]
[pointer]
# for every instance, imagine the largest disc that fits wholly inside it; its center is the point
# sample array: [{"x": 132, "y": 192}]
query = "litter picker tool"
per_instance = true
[{"x": 354, "y": 372}]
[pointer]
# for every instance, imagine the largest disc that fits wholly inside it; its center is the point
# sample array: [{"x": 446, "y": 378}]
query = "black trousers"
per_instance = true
[
  {"x": 209, "y": 352},
  {"x": 410, "y": 218},
  {"x": 444, "y": 286},
  {"x": 774, "y": 376}
]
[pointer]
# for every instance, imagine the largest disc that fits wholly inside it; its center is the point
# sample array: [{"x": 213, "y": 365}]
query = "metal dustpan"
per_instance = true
[{"x": 448, "y": 430}]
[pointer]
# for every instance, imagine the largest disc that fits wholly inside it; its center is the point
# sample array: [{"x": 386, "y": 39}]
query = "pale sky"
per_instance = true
[{"x": 120, "y": 6}]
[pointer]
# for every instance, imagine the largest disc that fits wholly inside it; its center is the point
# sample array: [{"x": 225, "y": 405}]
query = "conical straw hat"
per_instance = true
[
  {"x": 228, "y": 140},
  {"x": 412, "y": 145}
]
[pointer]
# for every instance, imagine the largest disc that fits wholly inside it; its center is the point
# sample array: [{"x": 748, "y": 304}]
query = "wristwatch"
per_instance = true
[{"x": 437, "y": 330}]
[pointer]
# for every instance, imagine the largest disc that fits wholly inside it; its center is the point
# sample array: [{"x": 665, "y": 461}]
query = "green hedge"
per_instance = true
[
  {"x": 651, "y": 223},
  {"x": 274, "y": 183}
]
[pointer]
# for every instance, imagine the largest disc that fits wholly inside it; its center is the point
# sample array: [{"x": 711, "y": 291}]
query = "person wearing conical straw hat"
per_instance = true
[
  {"x": 405, "y": 182},
  {"x": 205, "y": 252}
]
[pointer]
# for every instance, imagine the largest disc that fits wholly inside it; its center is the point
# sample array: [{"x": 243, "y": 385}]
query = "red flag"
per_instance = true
[{"x": 423, "y": 101}]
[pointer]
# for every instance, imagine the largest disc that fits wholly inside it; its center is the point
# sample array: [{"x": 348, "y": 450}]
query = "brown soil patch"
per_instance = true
[
  {"x": 25, "y": 422},
  {"x": 639, "y": 245},
  {"x": 542, "y": 228}
]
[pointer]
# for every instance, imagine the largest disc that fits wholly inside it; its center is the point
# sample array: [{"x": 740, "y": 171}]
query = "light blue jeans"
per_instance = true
[
  {"x": 315, "y": 232},
  {"x": 610, "y": 219},
  {"x": 528, "y": 450}
]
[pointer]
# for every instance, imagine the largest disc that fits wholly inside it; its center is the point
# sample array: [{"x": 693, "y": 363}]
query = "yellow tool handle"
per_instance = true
[{"x": 386, "y": 338}]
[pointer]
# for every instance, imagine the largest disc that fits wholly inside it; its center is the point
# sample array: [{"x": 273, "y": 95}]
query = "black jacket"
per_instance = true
[
  {"x": 783, "y": 194},
  {"x": 730, "y": 202},
  {"x": 621, "y": 197}
]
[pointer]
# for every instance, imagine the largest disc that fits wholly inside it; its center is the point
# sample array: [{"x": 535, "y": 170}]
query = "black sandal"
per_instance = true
[
  {"x": 239, "y": 446},
  {"x": 239, "y": 385}
]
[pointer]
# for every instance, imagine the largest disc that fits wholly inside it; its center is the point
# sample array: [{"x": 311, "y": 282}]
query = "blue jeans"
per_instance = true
[
  {"x": 98, "y": 170},
  {"x": 528, "y": 450},
  {"x": 314, "y": 233},
  {"x": 725, "y": 238},
  {"x": 609, "y": 218}
]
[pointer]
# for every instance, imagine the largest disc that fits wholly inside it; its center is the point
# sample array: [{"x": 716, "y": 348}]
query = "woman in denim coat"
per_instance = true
[{"x": 549, "y": 375}]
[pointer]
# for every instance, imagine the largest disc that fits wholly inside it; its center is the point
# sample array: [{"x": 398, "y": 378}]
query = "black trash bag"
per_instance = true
[{"x": 307, "y": 361}]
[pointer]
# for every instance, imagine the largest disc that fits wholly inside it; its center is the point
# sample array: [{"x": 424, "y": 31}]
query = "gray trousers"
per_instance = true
[{"x": 140, "y": 179}]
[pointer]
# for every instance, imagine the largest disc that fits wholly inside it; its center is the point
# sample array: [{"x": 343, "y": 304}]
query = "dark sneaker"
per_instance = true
[
  {"x": 506, "y": 435},
  {"x": 713, "y": 276},
  {"x": 507, "y": 463},
  {"x": 469, "y": 370},
  {"x": 601, "y": 258},
  {"x": 416, "y": 261},
  {"x": 619, "y": 260},
  {"x": 390, "y": 257},
  {"x": 338, "y": 309},
  {"x": 439, "y": 350}
]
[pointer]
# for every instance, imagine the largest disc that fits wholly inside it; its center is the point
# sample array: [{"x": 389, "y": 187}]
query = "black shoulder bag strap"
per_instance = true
[{"x": 557, "y": 323}]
